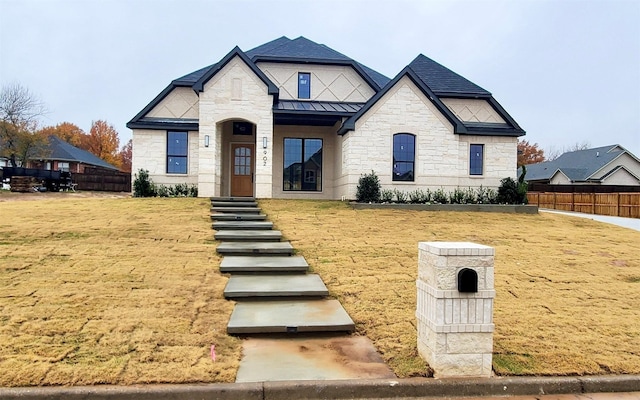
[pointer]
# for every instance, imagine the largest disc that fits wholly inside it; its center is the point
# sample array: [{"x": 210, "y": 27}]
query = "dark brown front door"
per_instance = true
[{"x": 242, "y": 169}]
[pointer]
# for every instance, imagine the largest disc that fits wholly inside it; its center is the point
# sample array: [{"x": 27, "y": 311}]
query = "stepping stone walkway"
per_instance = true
[
  {"x": 248, "y": 244},
  {"x": 275, "y": 294}
]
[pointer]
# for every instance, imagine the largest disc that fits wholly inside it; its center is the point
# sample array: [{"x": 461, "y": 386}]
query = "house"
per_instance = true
[
  {"x": 607, "y": 165},
  {"x": 62, "y": 156},
  {"x": 296, "y": 119}
]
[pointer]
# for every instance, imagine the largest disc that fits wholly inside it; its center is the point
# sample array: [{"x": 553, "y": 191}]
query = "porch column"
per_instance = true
[
  {"x": 264, "y": 159},
  {"x": 209, "y": 159}
]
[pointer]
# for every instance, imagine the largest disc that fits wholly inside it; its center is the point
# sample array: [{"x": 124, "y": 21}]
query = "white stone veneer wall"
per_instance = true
[
  {"x": 150, "y": 153},
  {"x": 442, "y": 157},
  {"x": 234, "y": 93},
  {"x": 455, "y": 330}
]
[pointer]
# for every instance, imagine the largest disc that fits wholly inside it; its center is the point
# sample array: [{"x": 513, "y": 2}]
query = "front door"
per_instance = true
[{"x": 242, "y": 169}]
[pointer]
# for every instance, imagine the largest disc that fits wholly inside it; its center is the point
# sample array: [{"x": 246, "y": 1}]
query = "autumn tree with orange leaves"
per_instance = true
[
  {"x": 70, "y": 133},
  {"x": 125, "y": 156},
  {"x": 529, "y": 153},
  {"x": 103, "y": 141}
]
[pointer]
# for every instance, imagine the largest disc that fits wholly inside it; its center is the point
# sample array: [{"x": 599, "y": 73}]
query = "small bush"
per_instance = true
[
  {"x": 368, "y": 188},
  {"x": 508, "y": 191},
  {"x": 419, "y": 196},
  {"x": 386, "y": 195},
  {"x": 440, "y": 197},
  {"x": 456, "y": 197},
  {"x": 163, "y": 191},
  {"x": 401, "y": 197},
  {"x": 143, "y": 186}
]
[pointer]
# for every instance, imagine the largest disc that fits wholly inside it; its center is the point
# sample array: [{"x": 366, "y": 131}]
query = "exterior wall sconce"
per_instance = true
[
  {"x": 264, "y": 142},
  {"x": 206, "y": 140}
]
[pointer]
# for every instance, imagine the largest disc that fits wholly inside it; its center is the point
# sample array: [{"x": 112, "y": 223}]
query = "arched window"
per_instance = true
[{"x": 404, "y": 157}]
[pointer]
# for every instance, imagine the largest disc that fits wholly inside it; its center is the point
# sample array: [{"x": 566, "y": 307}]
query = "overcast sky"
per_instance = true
[{"x": 567, "y": 71}]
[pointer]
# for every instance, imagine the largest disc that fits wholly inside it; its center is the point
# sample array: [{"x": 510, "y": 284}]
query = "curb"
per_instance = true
[{"x": 343, "y": 389}]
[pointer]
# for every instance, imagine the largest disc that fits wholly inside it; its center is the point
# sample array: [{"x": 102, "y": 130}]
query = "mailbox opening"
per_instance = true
[{"x": 467, "y": 281}]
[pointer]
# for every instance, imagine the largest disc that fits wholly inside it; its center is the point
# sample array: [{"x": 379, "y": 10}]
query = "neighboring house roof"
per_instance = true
[
  {"x": 437, "y": 82},
  {"x": 581, "y": 165},
  {"x": 59, "y": 150}
]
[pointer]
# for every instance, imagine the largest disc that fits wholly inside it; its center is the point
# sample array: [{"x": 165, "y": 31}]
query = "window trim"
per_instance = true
[
  {"x": 185, "y": 156},
  {"x": 303, "y": 171},
  {"x": 472, "y": 170},
  {"x": 308, "y": 74},
  {"x": 393, "y": 161}
]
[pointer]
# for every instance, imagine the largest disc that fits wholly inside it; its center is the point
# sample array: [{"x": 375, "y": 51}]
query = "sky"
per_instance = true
[{"x": 568, "y": 71}]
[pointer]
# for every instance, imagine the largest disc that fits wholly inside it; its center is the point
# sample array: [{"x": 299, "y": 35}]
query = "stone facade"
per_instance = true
[
  {"x": 441, "y": 157},
  {"x": 455, "y": 329},
  {"x": 257, "y": 91}
]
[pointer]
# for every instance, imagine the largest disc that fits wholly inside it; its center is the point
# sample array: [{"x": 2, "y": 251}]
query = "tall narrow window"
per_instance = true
[
  {"x": 304, "y": 85},
  {"x": 404, "y": 156},
  {"x": 177, "y": 152},
  {"x": 302, "y": 165},
  {"x": 476, "y": 159}
]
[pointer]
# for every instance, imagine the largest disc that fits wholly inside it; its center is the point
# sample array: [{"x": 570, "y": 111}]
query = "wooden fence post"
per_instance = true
[
  {"x": 618, "y": 205},
  {"x": 593, "y": 203}
]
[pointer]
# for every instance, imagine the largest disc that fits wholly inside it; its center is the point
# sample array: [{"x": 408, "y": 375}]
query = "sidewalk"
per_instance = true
[{"x": 631, "y": 223}]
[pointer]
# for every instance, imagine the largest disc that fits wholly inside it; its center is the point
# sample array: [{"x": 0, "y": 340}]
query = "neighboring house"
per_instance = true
[
  {"x": 608, "y": 165},
  {"x": 62, "y": 156},
  {"x": 296, "y": 119}
]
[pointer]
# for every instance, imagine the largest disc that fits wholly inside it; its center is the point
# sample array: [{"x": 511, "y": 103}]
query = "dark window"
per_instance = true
[
  {"x": 302, "y": 165},
  {"x": 476, "y": 156},
  {"x": 177, "y": 152},
  {"x": 304, "y": 85},
  {"x": 404, "y": 156}
]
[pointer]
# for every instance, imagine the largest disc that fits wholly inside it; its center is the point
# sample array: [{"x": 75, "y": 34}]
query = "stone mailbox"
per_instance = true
[{"x": 455, "y": 308}]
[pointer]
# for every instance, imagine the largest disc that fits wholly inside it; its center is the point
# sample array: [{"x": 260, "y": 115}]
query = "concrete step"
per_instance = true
[
  {"x": 242, "y": 286},
  {"x": 269, "y": 264},
  {"x": 252, "y": 235},
  {"x": 257, "y": 248},
  {"x": 228, "y": 198},
  {"x": 284, "y": 316},
  {"x": 238, "y": 217},
  {"x": 236, "y": 210},
  {"x": 234, "y": 204},
  {"x": 242, "y": 225}
]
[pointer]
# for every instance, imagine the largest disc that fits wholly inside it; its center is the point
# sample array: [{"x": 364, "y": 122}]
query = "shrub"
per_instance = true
[
  {"x": 401, "y": 197},
  {"x": 440, "y": 197},
  {"x": 456, "y": 197},
  {"x": 143, "y": 186},
  {"x": 419, "y": 196},
  {"x": 386, "y": 195},
  {"x": 508, "y": 192},
  {"x": 368, "y": 188},
  {"x": 163, "y": 191}
]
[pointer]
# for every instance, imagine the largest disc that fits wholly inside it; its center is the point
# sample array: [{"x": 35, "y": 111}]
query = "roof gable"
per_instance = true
[
  {"x": 442, "y": 81},
  {"x": 303, "y": 50},
  {"x": 236, "y": 52},
  {"x": 62, "y": 151},
  {"x": 511, "y": 128}
]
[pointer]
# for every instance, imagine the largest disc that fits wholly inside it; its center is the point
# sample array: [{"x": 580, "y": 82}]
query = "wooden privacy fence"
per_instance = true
[
  {"x": 615, "y": 204},
  {"x": 103, "y": 180}
]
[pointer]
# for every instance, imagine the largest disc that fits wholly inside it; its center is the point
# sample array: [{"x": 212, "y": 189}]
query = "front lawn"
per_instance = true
[{"x": 126, "y": 291}]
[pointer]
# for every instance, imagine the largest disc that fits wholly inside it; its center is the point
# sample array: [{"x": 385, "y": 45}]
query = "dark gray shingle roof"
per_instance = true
[
  {"x": 441, "y": 80},
  {"x": 576, "y": 165},
  {"x": 63, "y": 151}
]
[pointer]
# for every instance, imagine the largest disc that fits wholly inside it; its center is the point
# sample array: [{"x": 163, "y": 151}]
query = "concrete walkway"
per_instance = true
[
  {"x": 631, "y": 223},
  {"x": 276, "y": 295}
]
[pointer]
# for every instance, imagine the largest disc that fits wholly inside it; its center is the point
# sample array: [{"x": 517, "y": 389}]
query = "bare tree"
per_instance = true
[
  {"x": 554, "y": 152},
  {"x": 20, "y": 110}
]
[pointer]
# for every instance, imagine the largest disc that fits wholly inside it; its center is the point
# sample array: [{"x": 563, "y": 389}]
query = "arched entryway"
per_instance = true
[{"x": 239, "y": 158}]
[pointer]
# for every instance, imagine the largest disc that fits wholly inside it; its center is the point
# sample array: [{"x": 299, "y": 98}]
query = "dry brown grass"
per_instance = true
[
  {"x": 111, "y": 291},
  {"x": 568, "y": 289},
  {"x": 127, "y": 290}
]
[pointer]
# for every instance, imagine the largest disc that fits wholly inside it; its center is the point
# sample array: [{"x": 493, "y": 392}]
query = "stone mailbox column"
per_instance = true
[{"x": 455, "y": 308}]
